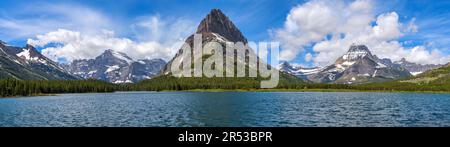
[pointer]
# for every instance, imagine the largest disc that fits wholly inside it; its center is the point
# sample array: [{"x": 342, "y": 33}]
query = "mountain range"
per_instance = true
[
  {"x": 116, "y": 67},
  {"x": 358, "y": 65}
]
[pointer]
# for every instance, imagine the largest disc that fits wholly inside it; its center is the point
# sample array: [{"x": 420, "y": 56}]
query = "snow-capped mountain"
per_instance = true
[
  {"x": 415, "y": 68},
  {"x": 116, "y": 67},
  {"x": 298, "y": 71},
  {"x": 28, "y": 64},
  {"x": 358, "y": 65}
]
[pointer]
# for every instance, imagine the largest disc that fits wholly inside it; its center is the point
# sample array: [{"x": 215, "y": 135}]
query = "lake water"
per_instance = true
[{"x": 234, "y": 109}]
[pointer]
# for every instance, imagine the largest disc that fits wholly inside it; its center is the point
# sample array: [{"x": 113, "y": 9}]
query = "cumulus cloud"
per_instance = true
[
  {"x": 330, "y": 27},
  {"x": 30, "y": 21},
  {"x": 152, "y": 42},
  {"x": 151, "y": 33}
]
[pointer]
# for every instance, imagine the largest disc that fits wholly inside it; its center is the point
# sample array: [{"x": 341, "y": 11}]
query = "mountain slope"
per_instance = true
[
  {"x": 116, "y": 67},
  {"x": 216, "y": 27},
  {"x": 28, "y": 64}
]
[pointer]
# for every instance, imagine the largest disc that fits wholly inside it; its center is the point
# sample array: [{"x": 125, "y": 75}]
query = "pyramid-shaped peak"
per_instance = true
[
  {"x": 354, "y": 48},
  {"x": 108, "y": 51},
  {"x": 403, "y": 60},
  {"x": 357, "y": 52},
  {"x": 219, "y": 23}
]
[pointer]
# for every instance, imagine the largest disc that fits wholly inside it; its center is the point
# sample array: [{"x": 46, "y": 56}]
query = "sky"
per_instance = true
[{"x": 310, "y": 32}]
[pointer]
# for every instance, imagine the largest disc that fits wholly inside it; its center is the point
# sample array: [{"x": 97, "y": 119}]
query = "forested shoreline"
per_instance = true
[{"x": 13, "y": 87}]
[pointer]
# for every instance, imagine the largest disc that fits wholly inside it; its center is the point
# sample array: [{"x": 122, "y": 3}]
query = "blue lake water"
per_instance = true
[{"x": 223, "y": 109}]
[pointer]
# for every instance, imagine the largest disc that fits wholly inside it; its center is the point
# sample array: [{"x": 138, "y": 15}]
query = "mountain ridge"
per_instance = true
[
  {"x": 358, "y": 65},
  {"x": 116, "y": 67},
  {"x": 26, "y": 63}
]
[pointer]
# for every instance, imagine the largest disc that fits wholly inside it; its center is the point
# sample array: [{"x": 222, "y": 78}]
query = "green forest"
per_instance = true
[
  {"x": 432, "y": 81},
  {"x": 13, "y": 87}
]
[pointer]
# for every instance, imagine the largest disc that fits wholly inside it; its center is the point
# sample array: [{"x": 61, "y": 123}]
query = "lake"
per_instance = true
[{"x": 227, "y": 109}]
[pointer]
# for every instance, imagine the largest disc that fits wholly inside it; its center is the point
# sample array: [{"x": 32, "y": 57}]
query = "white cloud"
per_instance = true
[
  {"x": 39, "y": 18},
  {"x": 412, "y": 27},
  {"x": 72, "y": 45},
  {"x": 308, "y": 57},
  {"x": 330, "y": 27}
]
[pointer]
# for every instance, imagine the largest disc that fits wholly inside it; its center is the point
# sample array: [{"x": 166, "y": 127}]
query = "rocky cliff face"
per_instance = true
[{"x": 116, "y": 67}]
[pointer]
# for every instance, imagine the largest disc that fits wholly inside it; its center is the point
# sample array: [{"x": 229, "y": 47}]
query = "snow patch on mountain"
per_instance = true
[
  {"x": 26, "y": 55},
  {"x": 112, "y": 68}
]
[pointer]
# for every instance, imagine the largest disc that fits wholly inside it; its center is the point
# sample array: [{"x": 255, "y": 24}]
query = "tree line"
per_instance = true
[{"x": 14, "y": 87}]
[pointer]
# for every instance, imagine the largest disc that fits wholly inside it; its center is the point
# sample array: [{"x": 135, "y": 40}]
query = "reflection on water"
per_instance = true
[{"x": 228, "y": 109}]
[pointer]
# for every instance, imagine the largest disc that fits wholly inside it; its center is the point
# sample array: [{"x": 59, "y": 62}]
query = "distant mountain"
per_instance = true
[
  {"x": 298, "y": 71},
  {"x": 358, "y": 65},
  {"x": 415, "y": 68},
  {"x": 116, "y": 67},
  {"x": 435, "y": 77},
  {"x": 28, "y": 64}
]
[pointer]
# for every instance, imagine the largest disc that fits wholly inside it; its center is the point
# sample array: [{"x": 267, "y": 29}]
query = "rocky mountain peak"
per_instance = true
[
  {"x": 217, "y": 22},
  {"x": 33, "y": 52},
  {"x": 285, "y": 66},
  {"x": 111, "y": 55},
  {"x": 357, "y": 52},
  {"x": 403, "y": 60}
]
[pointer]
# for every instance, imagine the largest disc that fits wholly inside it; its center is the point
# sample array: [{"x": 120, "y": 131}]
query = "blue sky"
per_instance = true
[
  {"x": 21, "y": 20},
  {"x": 253, "y": 17}
]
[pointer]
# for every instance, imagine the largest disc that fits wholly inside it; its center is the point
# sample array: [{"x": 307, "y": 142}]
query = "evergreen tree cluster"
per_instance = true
[
  {"x": 14, "y": 87},
  {"x": 432, "y": 81}
]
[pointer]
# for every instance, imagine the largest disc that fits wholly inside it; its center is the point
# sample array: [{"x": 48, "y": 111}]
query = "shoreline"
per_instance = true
[{"x": 248, "y": 90}]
